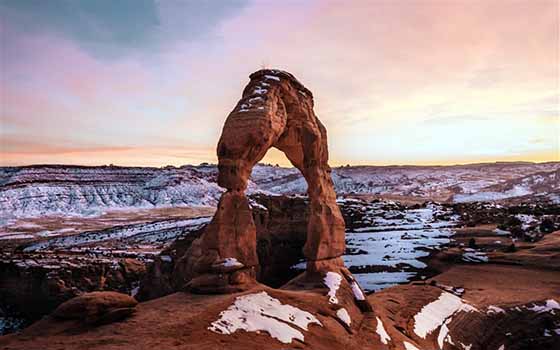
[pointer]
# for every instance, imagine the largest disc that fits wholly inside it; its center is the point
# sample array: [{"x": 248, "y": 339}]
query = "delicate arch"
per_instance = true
[{"x": 275, "y": 110}]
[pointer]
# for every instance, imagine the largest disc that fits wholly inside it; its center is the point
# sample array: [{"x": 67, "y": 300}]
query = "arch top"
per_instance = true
[{"x": 281, "y": 74}]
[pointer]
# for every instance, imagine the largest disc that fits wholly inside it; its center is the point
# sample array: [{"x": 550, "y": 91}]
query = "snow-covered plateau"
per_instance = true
[{"x": 36, "y": 191}]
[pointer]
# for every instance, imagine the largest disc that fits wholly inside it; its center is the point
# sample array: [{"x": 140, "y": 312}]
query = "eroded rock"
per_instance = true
[
  {"x": 275, "y": 111},
  {"x": 97, "y": 308}
]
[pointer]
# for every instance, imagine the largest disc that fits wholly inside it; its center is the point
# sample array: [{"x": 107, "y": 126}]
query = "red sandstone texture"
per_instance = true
[{"x": 275, "y": 110}]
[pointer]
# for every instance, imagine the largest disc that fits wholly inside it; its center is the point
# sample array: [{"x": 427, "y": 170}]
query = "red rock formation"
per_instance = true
[
  {"x": 275, "y": 111},
  {"x": 97, "y": 307}
]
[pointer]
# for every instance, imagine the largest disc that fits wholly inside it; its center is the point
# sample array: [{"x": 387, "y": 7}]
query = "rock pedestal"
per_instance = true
[
  {"x": 275, "y": 110},
  {"x": 225, "y": 257}
]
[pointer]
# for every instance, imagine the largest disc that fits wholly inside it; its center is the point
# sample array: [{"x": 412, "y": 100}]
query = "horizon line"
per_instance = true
[{"x": 70, "y": 165}]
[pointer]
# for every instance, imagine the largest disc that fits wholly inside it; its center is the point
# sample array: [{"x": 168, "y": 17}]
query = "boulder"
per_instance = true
[
  {"x": 34, "y": 284},
  {"x": 96, "y": 307}
]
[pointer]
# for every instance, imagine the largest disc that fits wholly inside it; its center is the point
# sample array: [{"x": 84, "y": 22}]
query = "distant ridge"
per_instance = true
[{"x": 85, "y": 190}]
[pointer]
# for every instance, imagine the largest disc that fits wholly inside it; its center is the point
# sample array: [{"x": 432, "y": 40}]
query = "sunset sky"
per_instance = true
[{"x": 144, "y": 82}]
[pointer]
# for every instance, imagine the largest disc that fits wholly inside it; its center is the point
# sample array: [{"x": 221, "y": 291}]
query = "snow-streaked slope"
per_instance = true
[
  {"x": 434, "y": 314},
  {"x": 76, "y": 190},
  {"x": 494, "y": 181},
  {"x": 540, "y": 184},
  {"x": 82, "y": 191},
  {"x": 153, "y": 233}
]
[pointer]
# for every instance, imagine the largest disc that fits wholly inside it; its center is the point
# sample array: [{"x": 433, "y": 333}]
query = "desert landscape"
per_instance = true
[
  {"x": 279, "y": 175},
  {"x": 448, "y": 257}
]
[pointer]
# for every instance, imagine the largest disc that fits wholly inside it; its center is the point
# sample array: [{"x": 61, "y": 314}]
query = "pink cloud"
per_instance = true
[{"x": 373, "y": 66}]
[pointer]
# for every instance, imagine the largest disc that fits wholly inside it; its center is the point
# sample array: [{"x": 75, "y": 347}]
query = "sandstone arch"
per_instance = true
[{"x": 276, "y": 110}]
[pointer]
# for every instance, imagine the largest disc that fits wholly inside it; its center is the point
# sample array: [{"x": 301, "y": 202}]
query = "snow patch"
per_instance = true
[
  {"x": 549, "y": 306},
  {"x": 495, "y": 310},
  {"x": 471, "y": 255},
  {"x": 409, "y": 346},
  {"x": 16, "y": 236},
  {"x": 385, "y": 338},
  {"x": 259, "y": 91},
  {"x": 358, "y": 294},
  {"x": 375, "y": 281},
  {"x": 260, "y": 312},
  {"x": 500, "y": 232},
  {"x": 343, "y": 315},
  {"x": 516, "y": 191},
  {"x": 231, "y": 262},
  {"x": 434, "y": 314},
  {"x": 272, "y": 77},
  {"x": 526, "y": 220},
  {"x": 166, "y": 258},
  {"x": 444, "y": 335},
  {"x": 332, "y": 280}
]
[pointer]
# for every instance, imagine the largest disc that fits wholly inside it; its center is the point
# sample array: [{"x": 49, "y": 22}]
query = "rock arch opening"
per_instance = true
[{"x": 275, "y": 110}]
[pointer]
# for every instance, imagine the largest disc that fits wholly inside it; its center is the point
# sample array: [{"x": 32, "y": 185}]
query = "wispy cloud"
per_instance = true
[{"x": 109, "y": 29}]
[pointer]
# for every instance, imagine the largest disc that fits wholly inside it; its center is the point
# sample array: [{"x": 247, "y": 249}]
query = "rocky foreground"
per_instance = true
[
  {"x": 510, "y": 275},
  {"x": 496, "y": 305}
]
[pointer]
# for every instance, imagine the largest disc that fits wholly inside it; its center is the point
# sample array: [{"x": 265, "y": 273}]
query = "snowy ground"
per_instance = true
[
  {"x": 20, "y": 230},
  {"x": 462, "y": 183},
  {"x": 95, "y": 209},
  {"x": 159, "y": 233},
  {"x": 386, "y": 242},
  {"x": 397, "y": 247}
]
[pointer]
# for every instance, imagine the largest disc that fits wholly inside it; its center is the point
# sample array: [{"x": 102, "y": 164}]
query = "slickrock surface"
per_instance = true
[
  {"x": 184, "y": 321},
  {"x": 275, "y": 111},
  {"x": 474, "y": 307}
]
